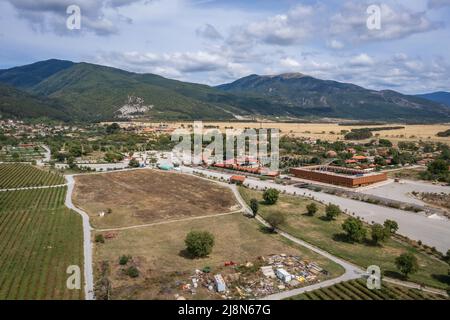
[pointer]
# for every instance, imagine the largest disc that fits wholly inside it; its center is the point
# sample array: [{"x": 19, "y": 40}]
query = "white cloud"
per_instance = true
[
  {"x": 177, "y": 64},
  {"x": 361, "y": 60},
  {"x": 396, "y": 23},
  {"x": 100, "y": 17}
]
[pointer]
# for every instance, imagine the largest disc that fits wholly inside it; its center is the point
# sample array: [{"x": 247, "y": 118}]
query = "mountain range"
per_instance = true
[
  {"x": 439, "y": 97},
  {"x": 68, "y": 91}
]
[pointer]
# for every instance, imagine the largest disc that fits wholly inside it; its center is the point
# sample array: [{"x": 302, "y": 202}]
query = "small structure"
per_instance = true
[
  {"x": 268, "y": 272},
  {"x": 220, "y": 283},
  {"x": 237, "y": 179},
  {"x": 165, "y": 167},
  {"x": 283, "y": 275}
]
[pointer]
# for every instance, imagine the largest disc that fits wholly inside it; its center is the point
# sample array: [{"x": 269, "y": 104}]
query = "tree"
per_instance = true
[
  {"x": 312, "y": 208},
  {"x": 407, "y": 264},
  {"x": 438, "y": 167},
  {"x": 271, "y": 196},
  {"x": 254, "y": 205},
  {"x": 391, "y": 226},
  {"x": 275, "y": 220},
  {"x": 133, "y": 163},
  {"x": 113, "y": 128},
  {"x": 385, "y": 143},
  {"x": 332, "y": 211},
  {"x": 447, "y": 256},
  {"x": 379, "y": 233},
  {"x": 355, "y": 229},
  {"x": 199, "y": 244}
]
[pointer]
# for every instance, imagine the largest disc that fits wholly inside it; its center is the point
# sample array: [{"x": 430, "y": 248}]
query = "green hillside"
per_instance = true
[
  {"x": 299, "y": 93},
  {"x": 17, "y": 104},
  {"x": 65, "y": 90}
]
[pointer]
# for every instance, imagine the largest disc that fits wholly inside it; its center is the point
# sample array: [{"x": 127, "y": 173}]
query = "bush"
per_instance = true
[
  {"x": 123, "y": 260},
  {"x": 355, "y": 229},
  {"x": 332, "y": 211},
  {"x": 275, "y": 220},
  {"x": 132, "y": 272},
  {"x": 199, "y": 244},
  {"x": 271, "y": 196},
  {"x": 312, "y": 209},
  {"x": 133, "y": 163},
  {"x": 99, "y": 238}
]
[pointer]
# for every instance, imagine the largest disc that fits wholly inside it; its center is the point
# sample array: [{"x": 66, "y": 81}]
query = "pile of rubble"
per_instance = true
[{"x": 266, "y": 276}]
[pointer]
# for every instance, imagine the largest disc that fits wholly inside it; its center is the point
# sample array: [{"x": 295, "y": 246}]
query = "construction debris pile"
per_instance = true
[{"x": 268, "y": 275}]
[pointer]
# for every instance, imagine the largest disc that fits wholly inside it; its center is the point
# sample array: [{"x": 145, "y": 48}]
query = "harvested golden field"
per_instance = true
[
  {"x": 137, "y": 197},
  {"x": 328, "y": 131},
  {"x": 158, "y": 253}
]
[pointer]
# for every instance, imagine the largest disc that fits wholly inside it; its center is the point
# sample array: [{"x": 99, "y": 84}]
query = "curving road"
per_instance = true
[
  {"x": 87, "y": 245},
  {"x": 351, "y": 271}
]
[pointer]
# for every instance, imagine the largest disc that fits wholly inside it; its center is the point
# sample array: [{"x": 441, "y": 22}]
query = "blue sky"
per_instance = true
[{"x": 214, "y": 42}]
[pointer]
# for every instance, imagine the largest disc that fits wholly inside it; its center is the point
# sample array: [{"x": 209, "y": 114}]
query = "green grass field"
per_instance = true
[
  {"x": 24, "y": 175},
  {"x": 328, "y": 236},
  {"x": 357, "y": 290},
  {"x": 39, "y": 239}
]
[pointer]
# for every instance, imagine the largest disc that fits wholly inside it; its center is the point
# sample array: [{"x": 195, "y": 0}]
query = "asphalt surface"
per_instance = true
[{"x": 416, "y": 226}]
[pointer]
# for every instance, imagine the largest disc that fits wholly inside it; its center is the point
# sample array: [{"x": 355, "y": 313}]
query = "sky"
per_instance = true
[{"x": 218, "y": 41}]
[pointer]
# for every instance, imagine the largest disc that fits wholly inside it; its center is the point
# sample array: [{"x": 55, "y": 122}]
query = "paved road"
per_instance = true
[
  {"x": 402, "y": 191},
  {"x": 433, "y": 232},
  {"x": 87, "y": 245}
]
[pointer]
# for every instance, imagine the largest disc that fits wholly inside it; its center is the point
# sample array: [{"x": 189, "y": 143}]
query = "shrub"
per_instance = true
[
  {"x": 332, "y": 211},
  {"x": 312, "y": 209},
  {"x": 132, "y": 272},
  {"x": 99, "y": 238},
  {"x": 123, "y": 260},
  {"x": 271, "y": 196},
  {"x": 199, "y": 244},
  {"x": 275, "y": 220}
]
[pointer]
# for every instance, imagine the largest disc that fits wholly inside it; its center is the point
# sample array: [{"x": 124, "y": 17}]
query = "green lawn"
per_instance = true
[{"x": 328, "y": 236}]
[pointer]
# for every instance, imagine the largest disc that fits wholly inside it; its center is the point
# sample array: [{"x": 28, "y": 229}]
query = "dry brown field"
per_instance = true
[
  {"x": 158, "y": 254},
  {"x": 328, "y": 131},
  {"x": 148, "y": 196}
]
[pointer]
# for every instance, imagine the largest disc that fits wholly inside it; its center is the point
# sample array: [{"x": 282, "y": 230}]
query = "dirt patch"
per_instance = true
[
  {"x": 165, "y": 272},
  {"x": 137, "y": 197}
]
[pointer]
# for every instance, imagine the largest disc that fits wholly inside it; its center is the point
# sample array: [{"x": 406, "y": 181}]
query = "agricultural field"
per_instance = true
[
  {"x": 329, "y": 236},
  {"x": 40, "y": 238},
  {"x": 24, "y": 175},
  {"x": 137, "y": 197},
  {"x": 332, "y": 131},
  {"x": 158, "y": 252},
  {"x": 357, "y": 290},
  {"x": 21, "y": 154}
]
